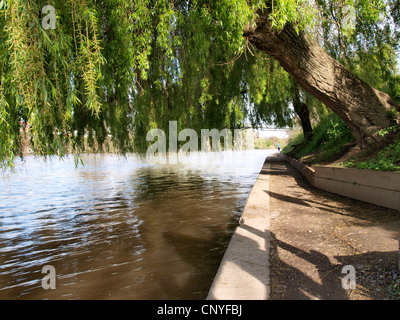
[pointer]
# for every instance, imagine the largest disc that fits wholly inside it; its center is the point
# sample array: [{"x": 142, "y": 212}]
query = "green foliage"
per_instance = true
[
  {"x": 301, "y": 13},
  {"x": 329, "y": 135},
  {"x": 269, "y": 143},
  {"x": 270, "y": 92},
  {"x": 394, "y": 289},
  {"x": 387, "y": 159},
  {"x": 370, "y": 48},
  {"x": 296, "y": 138},
  {"x": 387, "y": 130},
  {"x": 113, "y": 69}
]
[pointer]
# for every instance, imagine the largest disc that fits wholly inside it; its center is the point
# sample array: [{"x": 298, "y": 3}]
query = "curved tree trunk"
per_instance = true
[
  {"x": 302, "y": 112},
  {"x": 362, "y": 107}
]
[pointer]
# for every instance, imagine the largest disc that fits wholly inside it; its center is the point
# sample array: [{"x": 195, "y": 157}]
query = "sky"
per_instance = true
[{"x": 272, "y": 133}]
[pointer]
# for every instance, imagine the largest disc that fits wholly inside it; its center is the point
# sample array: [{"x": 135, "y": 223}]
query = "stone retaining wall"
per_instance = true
[{"x": 376, "y": 187}]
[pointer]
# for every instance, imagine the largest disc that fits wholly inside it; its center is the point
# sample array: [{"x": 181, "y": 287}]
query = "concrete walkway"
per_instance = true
[
  {"x": 294, "y": 240},
  {"x": 244, "y": 270}
]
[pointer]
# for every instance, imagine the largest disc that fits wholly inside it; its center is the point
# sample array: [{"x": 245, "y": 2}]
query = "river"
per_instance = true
[{"x": 120, "y": 227}]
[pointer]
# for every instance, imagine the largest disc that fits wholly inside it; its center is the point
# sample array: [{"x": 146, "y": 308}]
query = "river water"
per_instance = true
[{"x": 120, "y": 227}]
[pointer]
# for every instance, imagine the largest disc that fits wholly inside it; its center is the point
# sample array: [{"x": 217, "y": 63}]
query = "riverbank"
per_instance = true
[
  {"x": 244, "y": 270},
  {"x": 312, "y": 235},
  {"x": 333, "y": 144}
]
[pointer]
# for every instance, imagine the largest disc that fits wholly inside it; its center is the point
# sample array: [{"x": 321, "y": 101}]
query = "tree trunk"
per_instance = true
[
  {"x": 362, "y": 107},
  {"x": 302, "y": 111}
]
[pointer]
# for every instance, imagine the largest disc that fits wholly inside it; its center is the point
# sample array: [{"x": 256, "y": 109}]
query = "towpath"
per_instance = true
[
  {"x": 314, "y": 234},
  {"x": 298, "y": 242}
]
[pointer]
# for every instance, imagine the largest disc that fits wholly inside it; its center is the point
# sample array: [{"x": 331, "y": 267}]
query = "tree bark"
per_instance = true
[
  {"x": 302, "y": 111},
  {"x": 362, "y": 107}
]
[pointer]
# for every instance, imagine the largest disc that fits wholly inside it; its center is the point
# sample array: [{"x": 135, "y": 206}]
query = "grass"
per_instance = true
[
  {"x": 332, "y": 139},
  {"x": 387, "y": 159}
]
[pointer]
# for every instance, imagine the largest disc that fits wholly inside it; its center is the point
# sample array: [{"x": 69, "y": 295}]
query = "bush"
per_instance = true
[
  {"x": 387, "y": 159},
  {"x": 329, "y": 135}
]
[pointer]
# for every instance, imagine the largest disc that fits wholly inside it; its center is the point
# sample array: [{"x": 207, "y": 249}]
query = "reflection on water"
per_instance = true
[{"x": 119, "y": 228}]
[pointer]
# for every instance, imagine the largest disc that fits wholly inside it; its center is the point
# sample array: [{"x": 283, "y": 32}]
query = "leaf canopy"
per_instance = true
[{"x": 113, "y": 69}]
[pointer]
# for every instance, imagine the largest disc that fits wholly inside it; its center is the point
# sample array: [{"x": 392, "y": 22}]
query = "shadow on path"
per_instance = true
[{"x": 315, "y": 233}]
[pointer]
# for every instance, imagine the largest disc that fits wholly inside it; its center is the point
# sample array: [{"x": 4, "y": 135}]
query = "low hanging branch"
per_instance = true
[{"x": 364, "y": 109}]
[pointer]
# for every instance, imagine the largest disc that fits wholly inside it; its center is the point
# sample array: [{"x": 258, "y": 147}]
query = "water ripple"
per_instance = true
[{"x": 118, "y": 227}]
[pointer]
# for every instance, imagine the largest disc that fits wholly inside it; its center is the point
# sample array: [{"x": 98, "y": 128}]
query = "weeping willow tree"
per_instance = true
[
  {"x": 111, "y": 70},
  {"x": 365, "y": 109},
  {"x": 49, "y": 80},
  {"x": 367, "y": 48}
]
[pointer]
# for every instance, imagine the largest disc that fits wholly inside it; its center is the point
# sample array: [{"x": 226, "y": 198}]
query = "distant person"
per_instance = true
[{"x": 279, "y": 147}]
